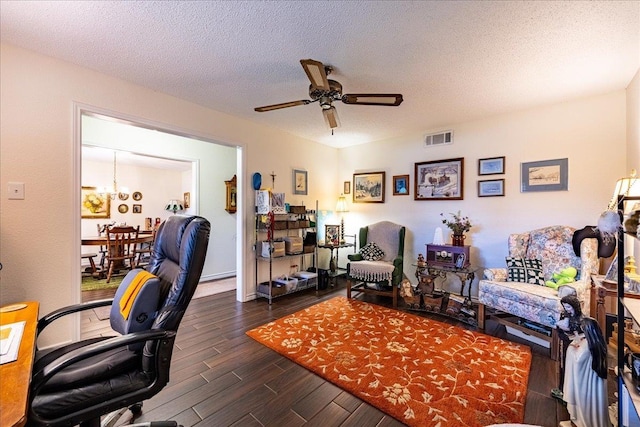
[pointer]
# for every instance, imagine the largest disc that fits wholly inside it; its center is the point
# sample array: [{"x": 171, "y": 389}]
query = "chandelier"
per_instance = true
[{"x": 114, "y": 192}]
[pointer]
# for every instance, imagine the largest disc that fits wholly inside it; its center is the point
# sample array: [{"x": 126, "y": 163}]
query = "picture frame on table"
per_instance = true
[
  {"x": 332, "y": 235},
  {"x": 94, "y": 204},
  {"x": 368, "y": 187},
  {"x": 439, "y": 180},
  {"x": 401, "y": 185},
  {"x": 546, "y": 175},
  {"x": 346, "y": 188},
  {"x": 491, "y": 166},
  {"x": 612, "y": 271},
  {"x": 300, "y": 182},
  {"x": 491, "y": 188}
]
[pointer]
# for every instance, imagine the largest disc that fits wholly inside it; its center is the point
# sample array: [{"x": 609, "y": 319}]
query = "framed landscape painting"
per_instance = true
[
  {"x": 368, "y": 187},
  {"x": 546, "y": 175},
  {"x": 439, "y": 180}
]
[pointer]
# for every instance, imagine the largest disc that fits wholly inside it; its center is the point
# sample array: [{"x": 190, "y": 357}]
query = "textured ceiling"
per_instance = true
[{"x": 452, "y": 61}]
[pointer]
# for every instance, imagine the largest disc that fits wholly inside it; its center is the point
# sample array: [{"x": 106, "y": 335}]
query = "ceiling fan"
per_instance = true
[{"x": 325, "y": 91}]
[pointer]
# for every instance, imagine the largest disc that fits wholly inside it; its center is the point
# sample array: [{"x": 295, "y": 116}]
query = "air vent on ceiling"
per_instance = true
[{"x": 442, "y": 138}]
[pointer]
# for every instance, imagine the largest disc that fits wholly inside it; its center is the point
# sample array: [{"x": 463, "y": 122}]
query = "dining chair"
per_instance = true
[
  {"x": 121, "y": 248},
  {"x": 143, "y": 251}
]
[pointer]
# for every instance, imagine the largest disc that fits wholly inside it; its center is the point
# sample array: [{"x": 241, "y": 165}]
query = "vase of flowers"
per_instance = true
[{"x": 458, "y": 225}]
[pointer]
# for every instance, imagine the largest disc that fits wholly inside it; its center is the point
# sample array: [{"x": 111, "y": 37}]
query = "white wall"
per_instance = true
[
  {"x": 633, "y": 145},
  {"x": 589, "y": 132},
  {"x": 39, "y": 236}
]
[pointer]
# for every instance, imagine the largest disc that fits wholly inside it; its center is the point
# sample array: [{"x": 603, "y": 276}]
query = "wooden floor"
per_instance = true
[{"x": 221, "y": 377}]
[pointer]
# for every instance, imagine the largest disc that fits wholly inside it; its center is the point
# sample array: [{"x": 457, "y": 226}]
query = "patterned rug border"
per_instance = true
[{"x": 501, "y": 385}]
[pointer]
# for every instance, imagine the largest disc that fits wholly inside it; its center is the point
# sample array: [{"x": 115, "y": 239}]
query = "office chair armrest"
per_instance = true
[
  {"x": 54, "y": 315},
  {"x": 40, "y": 378}
]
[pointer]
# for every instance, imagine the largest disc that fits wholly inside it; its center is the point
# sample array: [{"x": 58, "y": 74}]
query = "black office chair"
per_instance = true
[{"x": 79, "y": 382}]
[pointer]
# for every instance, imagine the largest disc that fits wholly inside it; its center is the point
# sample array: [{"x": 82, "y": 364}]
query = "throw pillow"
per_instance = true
[
  {"x": 525, "y": 270},
  {"x": 371, "y": 252}
]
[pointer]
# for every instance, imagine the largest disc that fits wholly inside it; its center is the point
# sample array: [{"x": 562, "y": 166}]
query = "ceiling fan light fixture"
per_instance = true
[{"x": 331, "y": 117}]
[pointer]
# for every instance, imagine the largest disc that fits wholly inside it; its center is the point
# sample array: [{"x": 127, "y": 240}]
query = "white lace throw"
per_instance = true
[{"x": 371, "y": 271}]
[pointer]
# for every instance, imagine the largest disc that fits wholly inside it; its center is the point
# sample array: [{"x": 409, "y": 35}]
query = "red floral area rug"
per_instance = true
[{"x": 420, "y": 371}]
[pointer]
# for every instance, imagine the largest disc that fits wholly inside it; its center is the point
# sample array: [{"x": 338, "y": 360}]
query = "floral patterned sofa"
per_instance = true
[{"x": 533, "y": 302}]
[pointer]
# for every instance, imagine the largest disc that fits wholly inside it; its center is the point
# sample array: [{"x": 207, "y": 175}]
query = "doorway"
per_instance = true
[{"x": 209, "y": 161}]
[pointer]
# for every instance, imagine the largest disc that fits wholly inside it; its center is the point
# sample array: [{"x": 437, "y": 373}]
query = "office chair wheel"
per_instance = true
[{"x": 136, "y": 409}]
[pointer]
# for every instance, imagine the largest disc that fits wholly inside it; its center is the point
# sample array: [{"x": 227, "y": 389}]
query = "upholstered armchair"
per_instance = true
[
  {"x": 378, "y": 267},
  {"x": 529, "y": 298}
]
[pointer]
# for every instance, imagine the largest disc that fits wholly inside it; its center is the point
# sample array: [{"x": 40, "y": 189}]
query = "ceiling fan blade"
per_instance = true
[
  {"x": 331, "y": 117},
  {"x": 316, "y": 72},
  {"x": 388, "y": 99},
  {"x": 283, "y": 105}
]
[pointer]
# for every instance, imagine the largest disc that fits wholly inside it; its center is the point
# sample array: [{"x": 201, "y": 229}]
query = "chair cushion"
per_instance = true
[
  {"x": 525, "y": 270},
  {"x": 371, "y": 252},
  {"x": 553, "y": 245},
  {"x": 386, "y": 235},
  {"x": 518, "y": 244},
  {"x": 539, "y": 304}
]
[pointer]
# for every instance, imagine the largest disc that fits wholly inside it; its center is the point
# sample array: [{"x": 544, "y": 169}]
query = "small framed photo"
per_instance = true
[
  {"x": 439, "y": 180},
  {"x": 300, "y": 182},
  {"x": 187, "y": 200},
  {"x": 136, "y": 209},
  {"x": 546, "y": 175},
  {"x": 332, "y": 235},
  {"x": 491, "y": 166},
  {"x": 368, "y": 187},
  {"x": 491, "y": 188},
  {"x": 346, "y": 187},
  {"x": 401, "y": 185},
  {"x": 612, "y": 272}
]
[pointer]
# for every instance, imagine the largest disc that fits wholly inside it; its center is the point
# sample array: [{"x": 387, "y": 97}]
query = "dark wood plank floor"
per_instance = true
[{"x": 221, "y": 377}]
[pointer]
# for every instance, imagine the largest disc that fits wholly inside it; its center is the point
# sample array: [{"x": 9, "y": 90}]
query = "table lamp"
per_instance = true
[{"x": 342, "y": 207}]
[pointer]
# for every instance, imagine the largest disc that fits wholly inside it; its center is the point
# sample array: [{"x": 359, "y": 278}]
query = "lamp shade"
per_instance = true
[
  {"x": 341, "y": 206},
  {"x": 174, "y": 206},
  {"x": 628, "y": 187}
]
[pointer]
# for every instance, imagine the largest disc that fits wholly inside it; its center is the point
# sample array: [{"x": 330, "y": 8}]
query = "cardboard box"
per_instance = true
[
  {"x": 293, "y": 245},
  {"x": 278, "y": 249}
]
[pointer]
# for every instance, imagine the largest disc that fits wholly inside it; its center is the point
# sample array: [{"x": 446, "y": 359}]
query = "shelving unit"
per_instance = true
[
  {"x": 626, "y": 390},
  {"x": 294, "y": 227}
]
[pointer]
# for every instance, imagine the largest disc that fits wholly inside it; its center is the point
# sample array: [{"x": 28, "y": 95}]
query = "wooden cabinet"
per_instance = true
[{"x": 231, "y": 202}]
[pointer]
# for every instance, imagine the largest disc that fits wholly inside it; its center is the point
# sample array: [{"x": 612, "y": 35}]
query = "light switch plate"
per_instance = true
[{"x": 16, "y": 190}]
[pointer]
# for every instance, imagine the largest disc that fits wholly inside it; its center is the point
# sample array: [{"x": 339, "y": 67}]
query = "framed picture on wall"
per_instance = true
[
  {"x": 299, "y": 182},
  {"x": 439, "y": 180},
  {"x": 491, "y": 166},
  {"x": 546, "y": 175},
  {"x": 401, "y": 185},
  {"x": 368, "y": 187},
  {"x": 94, "y": 204},
  {"x": 347, "y": 187},
  {"x": 491, "y": 188}
]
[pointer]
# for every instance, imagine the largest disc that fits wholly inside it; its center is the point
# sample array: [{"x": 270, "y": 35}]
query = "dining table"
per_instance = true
[{"x": 102, "y": 241}]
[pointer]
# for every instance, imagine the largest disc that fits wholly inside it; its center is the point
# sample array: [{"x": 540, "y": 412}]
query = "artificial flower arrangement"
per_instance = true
[{"x": 459, "y": 224}]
